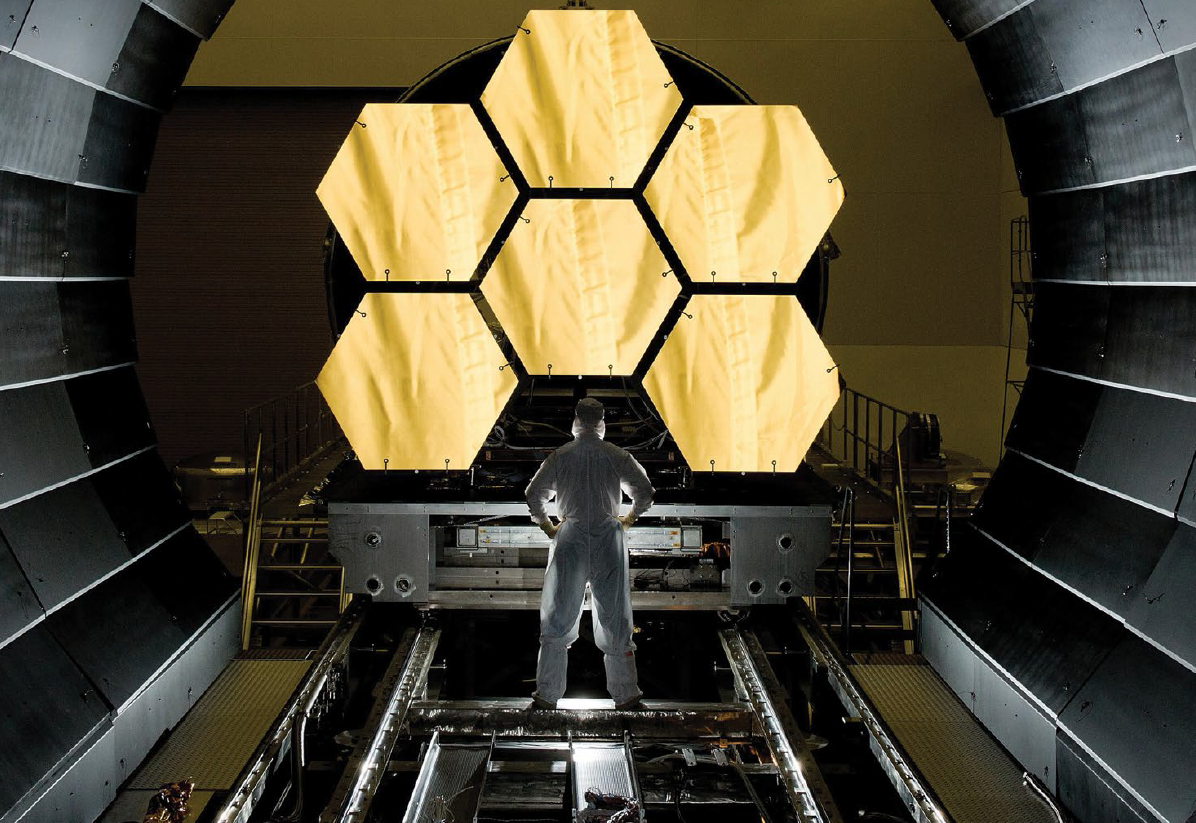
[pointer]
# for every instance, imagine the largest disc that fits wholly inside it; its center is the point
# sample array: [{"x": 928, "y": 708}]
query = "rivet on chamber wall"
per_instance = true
[
  {"x": 115, "y": 68},
  {"x": 1179, "y": 137}
]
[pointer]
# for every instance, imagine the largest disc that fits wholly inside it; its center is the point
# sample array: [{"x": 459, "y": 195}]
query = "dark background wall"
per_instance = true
[{"x": 228, "y": 297}]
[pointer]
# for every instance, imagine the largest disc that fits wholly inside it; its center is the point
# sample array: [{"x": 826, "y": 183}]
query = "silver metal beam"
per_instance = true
[
  {"x": 406, "y": 678},
  {"x": 660, "y": 510},
  {"x": 808, "y": 793},
  {"x": 510, "y": 599},
  {"x": 658, "y": 719}
]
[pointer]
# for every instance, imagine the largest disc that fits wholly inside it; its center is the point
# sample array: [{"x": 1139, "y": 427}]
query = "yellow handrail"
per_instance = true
[
  {"x": 252, "y": 549},
  {"x": 902, "y": 547}
]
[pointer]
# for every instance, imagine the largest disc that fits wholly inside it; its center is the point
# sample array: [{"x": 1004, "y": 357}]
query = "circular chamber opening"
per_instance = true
[
  {"x": 785, "y": 542},
  {"x": 403, "y": 584},
  {"x": 755, "y": 587},
  {"x": 373, "y": 539},
  {"x": 785, "y": 587},
  {"x": 373, "y": 585}
]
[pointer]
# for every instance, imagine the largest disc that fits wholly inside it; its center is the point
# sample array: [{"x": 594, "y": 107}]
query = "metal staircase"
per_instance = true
[{"x": 292, "y": 590}]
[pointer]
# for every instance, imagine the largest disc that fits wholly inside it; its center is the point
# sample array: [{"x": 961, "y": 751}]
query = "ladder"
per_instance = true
[
  {"x": 881, "y": 584},
  {"x": 294, "y": 591}
]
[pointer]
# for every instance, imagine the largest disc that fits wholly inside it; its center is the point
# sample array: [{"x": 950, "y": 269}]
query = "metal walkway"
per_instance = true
[
  {"x": 214, "y": 741},
  {"x": 975, "y": 779}
]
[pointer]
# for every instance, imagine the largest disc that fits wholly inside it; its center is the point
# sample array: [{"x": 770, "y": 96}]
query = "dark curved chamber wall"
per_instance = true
[
  {"x": 1064, "y": 618},
  {"x": 114, "y": 615}
]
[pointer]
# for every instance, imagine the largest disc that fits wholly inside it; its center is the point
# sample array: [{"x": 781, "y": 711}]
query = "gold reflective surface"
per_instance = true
[
  {"x": 580, "y": 287},
  {"x": 581, "y": 96},
  {"x": 415, "y": 192},
  {"x": 416, "y": 381},
  {"x": 744, "y": 383},
  {"x": 746, "y": 192}
]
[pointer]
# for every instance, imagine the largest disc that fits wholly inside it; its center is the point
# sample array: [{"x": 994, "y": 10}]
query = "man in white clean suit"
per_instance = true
[{"x": 588, "y": 477}]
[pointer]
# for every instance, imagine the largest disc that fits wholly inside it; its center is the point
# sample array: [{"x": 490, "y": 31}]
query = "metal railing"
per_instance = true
[
  {"x": 293, "y": 429},
  {"x": 253, "y": 544},
  {"x": 862, "y": 433},
  {"x": 903, "y": 548}
]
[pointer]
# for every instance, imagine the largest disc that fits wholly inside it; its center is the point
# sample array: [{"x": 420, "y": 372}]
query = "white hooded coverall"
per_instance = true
[{"x": 588, "y": 476}]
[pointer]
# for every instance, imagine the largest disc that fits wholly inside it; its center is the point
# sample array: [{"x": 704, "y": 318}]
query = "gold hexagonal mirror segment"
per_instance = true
[
  {"x": 416, "y": 382},
  {"x": 745, "y": 384},
  {"x": 581, "y": 96},
  {"x": 416, "y": 192},
  {"x": 745, "y": 193},
  {"x": 580, "y": 287}
]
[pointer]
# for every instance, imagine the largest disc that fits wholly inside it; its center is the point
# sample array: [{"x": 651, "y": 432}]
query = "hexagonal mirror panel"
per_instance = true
[
  {"x": 580, "y": 287},
  {"x": 745, "y": 195},
  {"x": 743, "y": 383},
  {"x": 417, "y": 381},
  {"x": 417, "y": 192},
  {"x": 581, "y": 98}
]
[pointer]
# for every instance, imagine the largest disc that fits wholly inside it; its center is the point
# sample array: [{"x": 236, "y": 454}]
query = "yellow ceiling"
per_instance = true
[
  {"x": 415, "y": 192},
  {"x": 747, "y": 191},
  {"x": 581, "y": 96},
  {"x": 580, "y": 286},
  {"x": 743, "y": 381},
  {"x": 416, "y": 381}
]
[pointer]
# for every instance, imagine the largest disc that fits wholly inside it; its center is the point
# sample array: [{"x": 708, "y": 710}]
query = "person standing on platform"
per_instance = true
[{"x": 587, "y": 477}]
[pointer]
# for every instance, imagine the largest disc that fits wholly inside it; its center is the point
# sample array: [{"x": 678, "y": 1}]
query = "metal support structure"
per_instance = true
[
  {"x": 251, "y": 783},
  {"x": 405, "y": 679},
  {"x": 582, "y": 719},
  {"x": 913, "y": 789},
  {"x": 1021, "y": 301},
  {"x": 807, "y": 791}
]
